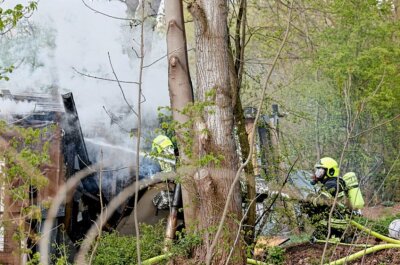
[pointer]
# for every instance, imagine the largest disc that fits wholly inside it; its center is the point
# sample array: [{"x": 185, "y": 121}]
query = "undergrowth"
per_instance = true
[{"x": 117, "y": 249}]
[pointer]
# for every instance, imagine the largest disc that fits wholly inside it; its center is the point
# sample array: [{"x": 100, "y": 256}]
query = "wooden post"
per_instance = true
[{"x": 274, "y": 125}]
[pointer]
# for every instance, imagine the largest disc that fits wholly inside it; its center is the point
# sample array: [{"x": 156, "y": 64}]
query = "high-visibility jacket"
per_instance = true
[
  {"x": 165, "y": 151},
  {"x": 323, "y": 200},
  {"x": 328, "y": 192},
  {"x": 160, "y": 143}
]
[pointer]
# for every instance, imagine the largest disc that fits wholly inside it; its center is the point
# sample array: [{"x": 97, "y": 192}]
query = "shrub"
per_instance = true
[
  {"x": 184, "y": 243},
  {"x": 275, "y": 255},
  {"x": 388, "y": 203},
  {"x": 121, "y": 250}
]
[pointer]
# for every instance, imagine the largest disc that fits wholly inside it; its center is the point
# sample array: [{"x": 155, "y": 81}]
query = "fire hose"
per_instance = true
[
  {"x": 391, "y": 243},
  {"x": 361, "y": 253},
  {"x": 336, "y": 242}
]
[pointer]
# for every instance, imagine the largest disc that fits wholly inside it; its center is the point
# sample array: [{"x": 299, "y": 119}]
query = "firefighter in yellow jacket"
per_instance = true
[
  {"x": 330, "y": 185},
  {"x": 163, "y": 151}
]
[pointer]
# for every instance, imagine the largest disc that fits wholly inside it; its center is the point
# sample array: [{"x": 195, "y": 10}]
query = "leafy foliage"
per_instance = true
[
  {"x": 21, "y": 177},
  {"x": 116, "y": 249},
  {"x": 275, "y": 255},
  {"x": 337, "y": 73},
  {"x": 8, "y": 20},
  {"x": 194, "y": 112},
  {"x": 360, "y": 55},
  {"x": 9, "y": 17},
  {"x": 184, "y": 243}
]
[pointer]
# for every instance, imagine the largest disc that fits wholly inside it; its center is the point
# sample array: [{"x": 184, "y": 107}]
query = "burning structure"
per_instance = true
[
  {"x": 56, "y": 124},
  {"x": 38, "y": 113}
]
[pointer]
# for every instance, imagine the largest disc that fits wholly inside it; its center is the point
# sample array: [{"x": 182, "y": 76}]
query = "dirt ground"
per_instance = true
[
  {"x": 376, "y": 212},
  {"x": 310, "y": 254}
]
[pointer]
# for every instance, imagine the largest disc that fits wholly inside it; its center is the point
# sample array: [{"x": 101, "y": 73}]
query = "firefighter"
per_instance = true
[
  {"x": 329, "y": 185},
  {"x": 163, "y": 148},
  {"x": 163, "y": 151}
]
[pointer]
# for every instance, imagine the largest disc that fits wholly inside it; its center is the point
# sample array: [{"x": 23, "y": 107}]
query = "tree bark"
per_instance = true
[
  {"x": 180, "y": 88},
  {"x": 396, "y": 5},
  {"x": 216, "y": 138},
  {"x": 245, "y": 150},
  {"x": 236, "y": 64}
]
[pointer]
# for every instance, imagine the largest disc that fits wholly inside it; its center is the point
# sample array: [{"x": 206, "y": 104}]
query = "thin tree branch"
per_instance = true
[
  {"x": 107, "y": 15},
  {"x": 139, "y": 116},
  {"x": 376, "y": 126},
  {"x": 119, "y": 85},
  {"x": 113, "y": 120},
  {"x": 387, "y": 175},
  {"x": 101, "y": 209},
  {"x": 159, "y": 59},
  {"x": 103, "y": 78},
  {"x": 134, "y": 50},
  {"x": 279, "y": 192},
  {"x": 240, "y": 228}
]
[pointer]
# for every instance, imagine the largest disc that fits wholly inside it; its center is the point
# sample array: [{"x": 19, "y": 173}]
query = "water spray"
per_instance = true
[{"x": 128, "y": 150}]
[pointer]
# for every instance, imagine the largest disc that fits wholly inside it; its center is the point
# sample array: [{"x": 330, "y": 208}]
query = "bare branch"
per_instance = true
[
  {"x": 253, "y": 201},
  {"x": 139, "y": 116},
  {"x": 279, "y": 192},
  {"x": 119, "y": 84},
  {"x": 107, "y": 15},
  {"x": 159, "y": 59},
  {"x": 376, "y": 126},
  {"x": 103, "y": 78},
  {"x": 239, "y": 231},
  {"x": 136, "y": 53},
  {"x": 101, "y": 208},
  {"x": 114, "y": 120}
]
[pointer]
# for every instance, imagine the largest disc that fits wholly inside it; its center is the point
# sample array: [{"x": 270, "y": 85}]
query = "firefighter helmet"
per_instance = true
[{"x": 331, "y": 166}]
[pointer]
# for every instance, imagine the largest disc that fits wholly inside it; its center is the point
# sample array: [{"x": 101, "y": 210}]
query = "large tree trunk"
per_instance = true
[
  {"x": 216, "y": 137},
  {"x": 180, "y": 87}
]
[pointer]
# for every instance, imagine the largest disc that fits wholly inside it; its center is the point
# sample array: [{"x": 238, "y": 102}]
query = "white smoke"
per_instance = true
[
  {"x": 69, "y": 35},
  {"x": 77, "y": 37},
  {"x": 10, "y": 107}
]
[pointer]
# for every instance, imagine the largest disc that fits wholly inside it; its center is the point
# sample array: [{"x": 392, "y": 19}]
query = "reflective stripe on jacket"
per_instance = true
[{"x": 160, "y": 143}]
